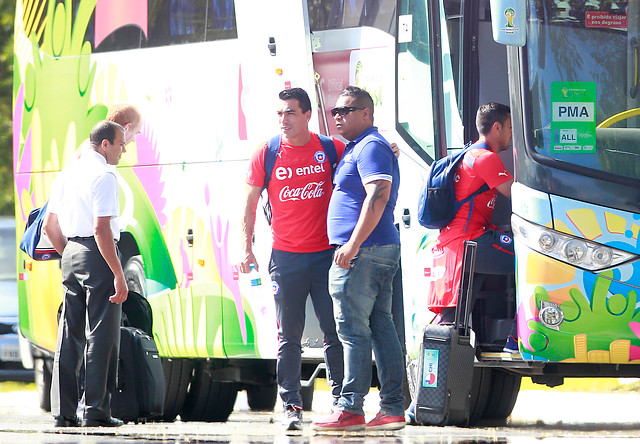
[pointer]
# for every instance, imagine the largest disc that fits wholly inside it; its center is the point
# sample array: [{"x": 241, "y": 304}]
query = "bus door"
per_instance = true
[
  {"x": 275, "y": 54},
  {"x": 480, "y": 75},
  {"x": 427, "y": 123},
  {"x": 352, "y": 43},
  {"x": 447, "y": 65}
]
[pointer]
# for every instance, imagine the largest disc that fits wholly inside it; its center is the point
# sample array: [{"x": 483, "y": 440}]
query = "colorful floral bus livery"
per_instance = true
[
  {"x": 206, "y": 84},
  {"x": 599, "y": 310},
  {"x": 205, "y": 75}
]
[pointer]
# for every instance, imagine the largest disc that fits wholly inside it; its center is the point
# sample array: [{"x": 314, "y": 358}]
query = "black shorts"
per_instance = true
[{"x": 495, "y": 253}]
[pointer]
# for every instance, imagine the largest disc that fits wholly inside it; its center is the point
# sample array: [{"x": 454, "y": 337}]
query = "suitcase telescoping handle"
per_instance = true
[{"x": 466, "y": 287}]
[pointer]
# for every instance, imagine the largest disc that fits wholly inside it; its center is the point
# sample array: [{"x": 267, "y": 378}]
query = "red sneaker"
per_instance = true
[
  {"x": 340, "y": 420},
  {"x": 386, "y": 422}
]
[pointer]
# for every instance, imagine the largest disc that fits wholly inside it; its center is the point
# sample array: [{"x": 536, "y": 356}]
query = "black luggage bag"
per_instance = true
[
  {"x": 141, "y": 389},
  {"x": 445, "y": 367}
]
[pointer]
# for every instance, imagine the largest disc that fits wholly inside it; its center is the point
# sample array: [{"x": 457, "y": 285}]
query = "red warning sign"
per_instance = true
[{"x": 601, "y": 19}]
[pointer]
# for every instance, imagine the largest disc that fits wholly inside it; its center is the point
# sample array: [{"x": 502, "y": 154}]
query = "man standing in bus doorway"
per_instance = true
[
  {"x": 360, "y": 223},
  {"x": 494, "y": 254},
  {"x": 82, "y": 224},
  {"x": 299, "y": 190},
  {"x": 126, "y": 115}
]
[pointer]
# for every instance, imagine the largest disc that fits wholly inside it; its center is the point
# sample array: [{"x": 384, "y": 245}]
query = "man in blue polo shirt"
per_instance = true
[{"x": 360, "y": 224}]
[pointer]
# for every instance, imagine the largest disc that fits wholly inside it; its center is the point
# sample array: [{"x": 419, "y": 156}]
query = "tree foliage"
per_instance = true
[{"x": 7, "y": 9}]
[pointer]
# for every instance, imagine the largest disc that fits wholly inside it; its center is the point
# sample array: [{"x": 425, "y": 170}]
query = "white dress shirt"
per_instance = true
[{"x": 86, "y": 189}]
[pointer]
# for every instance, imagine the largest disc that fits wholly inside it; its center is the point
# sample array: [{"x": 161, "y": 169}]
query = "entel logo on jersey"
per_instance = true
[
  {"x": 275, "y": 287},
  {"x": 320, "y": 156},
  {"x": 283, "y": 173},
  {"x": 505, "y": 239}
]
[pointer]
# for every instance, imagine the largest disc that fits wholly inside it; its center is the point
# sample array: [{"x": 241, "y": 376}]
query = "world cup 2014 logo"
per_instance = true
[{"x": 510, "y": 14}]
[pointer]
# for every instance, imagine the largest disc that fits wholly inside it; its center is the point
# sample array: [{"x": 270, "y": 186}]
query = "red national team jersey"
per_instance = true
[
  {"x": 299, "y": 193},
  {"x": 477, "y": 167}
]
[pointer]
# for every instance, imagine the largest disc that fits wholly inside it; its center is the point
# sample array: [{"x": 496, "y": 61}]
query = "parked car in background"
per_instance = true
[{"x": 11, "y": 368}]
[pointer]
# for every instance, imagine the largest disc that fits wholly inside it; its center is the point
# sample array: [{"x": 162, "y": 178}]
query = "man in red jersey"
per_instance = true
[
  {"x": 299, "y": 191},
  {"x": 495, "y": 248}
]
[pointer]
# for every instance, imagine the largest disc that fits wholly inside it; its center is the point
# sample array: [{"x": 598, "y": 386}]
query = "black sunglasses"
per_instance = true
[{"x": 343, "y": 110}]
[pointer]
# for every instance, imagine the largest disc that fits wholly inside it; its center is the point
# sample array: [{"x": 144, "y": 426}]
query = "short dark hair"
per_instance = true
[
  {"x": 490, "y": 113},
  {"x": 105, "y": 129},
  {"x": 299, "y": 94},
  {"x": 360, "y": 96}
]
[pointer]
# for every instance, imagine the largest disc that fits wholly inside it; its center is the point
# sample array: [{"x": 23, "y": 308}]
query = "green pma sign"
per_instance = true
[{"x": 573, "y": 117}]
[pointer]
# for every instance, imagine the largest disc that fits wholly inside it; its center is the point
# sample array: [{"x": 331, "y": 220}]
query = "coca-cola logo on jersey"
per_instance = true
[{"x": 312, "y": 190}]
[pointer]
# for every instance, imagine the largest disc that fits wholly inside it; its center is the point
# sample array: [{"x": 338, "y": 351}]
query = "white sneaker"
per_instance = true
[
  {"x": 410, "y": 415},
  {"x": 292, "y": 418}
]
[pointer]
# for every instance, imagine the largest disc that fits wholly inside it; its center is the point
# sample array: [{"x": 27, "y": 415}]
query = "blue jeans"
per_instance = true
[
  {"x": 362, "y": 308},
  {"x": 297, "y": 276}
]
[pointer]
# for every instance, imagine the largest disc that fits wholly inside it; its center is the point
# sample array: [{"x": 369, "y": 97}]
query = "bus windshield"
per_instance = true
[{"x": 583, "y": 83}]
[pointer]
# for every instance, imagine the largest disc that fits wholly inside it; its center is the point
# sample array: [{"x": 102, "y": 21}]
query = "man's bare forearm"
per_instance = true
[
  {"x": 372, "y": 210},
  {"x": 52, "y": 229}
]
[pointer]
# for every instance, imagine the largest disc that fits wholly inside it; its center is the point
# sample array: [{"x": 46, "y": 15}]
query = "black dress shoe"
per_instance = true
[
  {"x": 65, "y": 421},
  {"x": 107, "y": 422}
]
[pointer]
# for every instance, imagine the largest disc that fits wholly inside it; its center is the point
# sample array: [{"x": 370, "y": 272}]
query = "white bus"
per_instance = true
[{"x": 206, "y": 74}]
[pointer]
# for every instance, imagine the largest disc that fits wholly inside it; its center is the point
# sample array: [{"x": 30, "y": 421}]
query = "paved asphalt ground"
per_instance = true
[{"x": 538, "y": 416}]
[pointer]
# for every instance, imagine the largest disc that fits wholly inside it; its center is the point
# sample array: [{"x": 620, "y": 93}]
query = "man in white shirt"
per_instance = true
[{"x": 82, "y": 224}]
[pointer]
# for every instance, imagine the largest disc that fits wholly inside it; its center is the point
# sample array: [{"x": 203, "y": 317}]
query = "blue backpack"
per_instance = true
[
  {"x": 34, "y": 242},
  {"x": 437, "y": 205},
  {"x": 270, "y": 159}
]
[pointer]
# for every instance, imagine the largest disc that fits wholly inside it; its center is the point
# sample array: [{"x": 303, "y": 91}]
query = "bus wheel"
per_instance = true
[
  {"x": 307, "y": 397},
  {"x": 262, "y": 398},
  {"x": 503, "y": 395},
  {"x": 42, "y": 375},
  {"x": 481, "y": 386},
  {"x": 177, "y": 373},
  {"x": 208, "y": 399}
]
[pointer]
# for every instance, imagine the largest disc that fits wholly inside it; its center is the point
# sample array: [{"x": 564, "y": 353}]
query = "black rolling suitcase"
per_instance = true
[
  {"x": 445, "y": 368},
  {"x": 141, "y": 389}
]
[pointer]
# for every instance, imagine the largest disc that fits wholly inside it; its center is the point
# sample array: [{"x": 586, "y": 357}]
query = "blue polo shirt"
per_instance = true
[{"x": 367, "y": 158}]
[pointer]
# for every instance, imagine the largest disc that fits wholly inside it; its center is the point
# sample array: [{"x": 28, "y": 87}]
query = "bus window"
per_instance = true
[
  {"x": 595, "y": 44},
  {"x": 339, "y": 14},
  {"x": 176, "y": 21},
  {"x": 221, "y": 20},
  {"x": 171, "y": 22},
  {"x": 126, "y": 37},
  {"x": 415, "y": 88},
  {"x": 453, "y": 13}
]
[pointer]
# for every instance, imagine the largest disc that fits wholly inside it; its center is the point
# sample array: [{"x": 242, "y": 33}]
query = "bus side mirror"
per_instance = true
[{"x": 509, "y": 22}]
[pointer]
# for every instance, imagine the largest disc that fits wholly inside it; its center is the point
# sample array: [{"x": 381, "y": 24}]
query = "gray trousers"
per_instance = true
[
  {"x": 88, "y": 331},
  {"x": 296, "y": 276}
]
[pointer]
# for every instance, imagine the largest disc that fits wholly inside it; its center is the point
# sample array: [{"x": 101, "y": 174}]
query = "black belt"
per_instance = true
[{"x": 80, "y": 238}]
